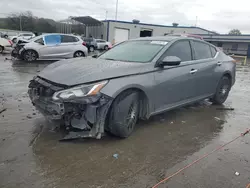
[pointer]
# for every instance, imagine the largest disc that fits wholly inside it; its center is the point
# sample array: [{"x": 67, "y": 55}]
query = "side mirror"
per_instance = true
[{"x": 170, "y": 61}]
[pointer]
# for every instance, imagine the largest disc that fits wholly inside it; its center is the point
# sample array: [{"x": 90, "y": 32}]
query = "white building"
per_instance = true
[{"x": 118, "y": 31}]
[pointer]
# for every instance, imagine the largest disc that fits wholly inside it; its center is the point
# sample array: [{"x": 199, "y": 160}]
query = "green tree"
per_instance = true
[{"x": 234, "y": 32}]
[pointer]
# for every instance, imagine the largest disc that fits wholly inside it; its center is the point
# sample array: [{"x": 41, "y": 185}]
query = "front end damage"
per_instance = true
[{"x": 82, "y": 117}]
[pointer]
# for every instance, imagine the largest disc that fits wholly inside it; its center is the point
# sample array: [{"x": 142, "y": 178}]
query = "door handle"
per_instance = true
[
  {"x": 193, "y": 71},
  {"x": 219, "y": 63}
]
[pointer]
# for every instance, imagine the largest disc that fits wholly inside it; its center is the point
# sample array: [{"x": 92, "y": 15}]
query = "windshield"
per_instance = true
[{"x": 134, "y": 51}]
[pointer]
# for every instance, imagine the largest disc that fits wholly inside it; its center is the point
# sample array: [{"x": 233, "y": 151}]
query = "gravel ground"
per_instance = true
[{"x": 32, "y": 156}]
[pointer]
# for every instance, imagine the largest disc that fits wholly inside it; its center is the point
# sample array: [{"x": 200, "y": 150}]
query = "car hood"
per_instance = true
[{"x": 84, "y": 70}]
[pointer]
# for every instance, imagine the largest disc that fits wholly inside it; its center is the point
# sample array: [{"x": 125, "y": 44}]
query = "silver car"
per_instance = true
[
  {"x": 52, "y": 46},
  {"x": 103, "y": 44},
  {"x": 134, "y": 80}
]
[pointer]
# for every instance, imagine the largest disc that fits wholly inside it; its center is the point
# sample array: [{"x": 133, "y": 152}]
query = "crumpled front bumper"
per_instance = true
[{"x": 86, "y": 115}]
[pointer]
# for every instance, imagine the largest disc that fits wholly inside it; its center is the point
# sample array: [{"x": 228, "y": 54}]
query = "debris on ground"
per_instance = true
[
  {"x": 220, "y": 120},
  {"x": 29, "y": 116},
  {"x": 172, "y": 122},
  {"x": 237, "y": 173},
  {"x": 225, "y": 108},
  {"x": 183, "y": 121},
  {"x": 3, "y": 110},
  {"x": 116, "y": 156}
]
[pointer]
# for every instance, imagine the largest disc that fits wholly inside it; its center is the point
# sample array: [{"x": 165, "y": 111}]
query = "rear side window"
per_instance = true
[
  {"x": 213, "y": 51},
  {"x": 180, "y": 49},
  {"x": 52, "y": 40},
  {"x": 68, "y": 39},
  {"x": 202, "y": 50}
]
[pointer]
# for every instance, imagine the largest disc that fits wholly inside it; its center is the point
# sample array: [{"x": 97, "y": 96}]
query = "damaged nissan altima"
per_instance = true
[{"x": 134, "y": 80}]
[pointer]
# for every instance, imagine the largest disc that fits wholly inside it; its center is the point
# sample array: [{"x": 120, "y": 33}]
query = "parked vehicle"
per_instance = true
[
  {"x": 5, "y": 45},
  {"x": 50, "y": 46},
  {"x": 91, "y": 44},
  {"x": 3, "y": 35},
  {"x": 103, "y": 44},
  {"x": 22, "y": 36},
  {"x": 134, "y": 80}
]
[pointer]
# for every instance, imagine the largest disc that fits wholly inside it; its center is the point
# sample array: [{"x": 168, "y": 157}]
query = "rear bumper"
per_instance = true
[{"x": 8, "y": 48}]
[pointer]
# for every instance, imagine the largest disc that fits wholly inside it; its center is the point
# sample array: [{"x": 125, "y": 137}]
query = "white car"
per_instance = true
[
  {"x": 25, "y": 36},
  {"x": 103, "y": 44},
  {"x": 52, "y": 46},
  {"x": 5, "y": 45}
]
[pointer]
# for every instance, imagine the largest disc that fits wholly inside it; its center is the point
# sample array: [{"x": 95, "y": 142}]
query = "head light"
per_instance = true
[{"x": 79, "y": 91}]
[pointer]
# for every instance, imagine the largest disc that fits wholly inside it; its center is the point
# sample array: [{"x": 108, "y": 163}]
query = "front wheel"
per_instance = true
[
  {"x": 30, "y": 55},
  {"x": 124, "y": 114},
  {"x": 222, "y": 91}
]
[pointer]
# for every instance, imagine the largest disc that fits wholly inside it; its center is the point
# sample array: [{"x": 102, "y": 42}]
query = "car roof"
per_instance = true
[
  {"x": 164, "y": 38},
  {"x": 59, "y": 34}
]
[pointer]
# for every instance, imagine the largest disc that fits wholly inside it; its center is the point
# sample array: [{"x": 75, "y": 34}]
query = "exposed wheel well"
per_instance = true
[{"x": 229, "y": 76}]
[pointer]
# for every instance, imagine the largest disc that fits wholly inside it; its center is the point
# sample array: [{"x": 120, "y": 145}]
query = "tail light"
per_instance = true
[
  {"x": 10, "y": 42},
  {"x": 84, "y": 43}
]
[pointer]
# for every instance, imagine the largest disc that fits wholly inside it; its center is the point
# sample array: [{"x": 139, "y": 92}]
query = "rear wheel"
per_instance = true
[
  {"x": 30, "y": 55},
  {"x": 124, "y": 114},
  {"x": 106, "y": 47},
  {"x": 79, "y": 54},
  {"x": 91, "y": 49},
  {"x": 222, "y": 91},
  {"x": 14, "y": 40},
  {"x": 1, "y": 49}
]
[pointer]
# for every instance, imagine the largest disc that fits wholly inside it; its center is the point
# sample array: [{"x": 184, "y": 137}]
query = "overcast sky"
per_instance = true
[{"x": 216, "y": 15}]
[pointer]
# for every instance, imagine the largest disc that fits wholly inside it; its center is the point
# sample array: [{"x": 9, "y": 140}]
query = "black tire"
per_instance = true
[
  {"x": 222, "y": 91},
  {"x": 14, "y": 40},
  {"x": 124, "y": 114},
  {"x": 79, "y": 54},
  {"x": 106, "y": 47},
  {"x": 30, "y": 55},
  {"x": 1, "y": 49},
  {"x": 91, "y": 48}
]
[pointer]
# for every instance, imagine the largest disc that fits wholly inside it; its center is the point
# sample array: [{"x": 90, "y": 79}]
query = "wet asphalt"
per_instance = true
[{"x": 32, "y": 156}]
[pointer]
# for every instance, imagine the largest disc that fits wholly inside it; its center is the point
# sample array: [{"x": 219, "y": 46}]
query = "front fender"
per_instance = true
[{"x": 143, "y": 82}]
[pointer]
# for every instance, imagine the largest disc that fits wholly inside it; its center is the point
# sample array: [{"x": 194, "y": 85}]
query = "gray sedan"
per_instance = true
[{"x": 134, "y": 80}]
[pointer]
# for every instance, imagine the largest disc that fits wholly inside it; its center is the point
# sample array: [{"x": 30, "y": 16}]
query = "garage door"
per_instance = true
[{"x": 121, "y": 35}]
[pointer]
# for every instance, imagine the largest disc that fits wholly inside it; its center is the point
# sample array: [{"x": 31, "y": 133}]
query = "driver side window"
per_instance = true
[{"x": 180, "y": 49}]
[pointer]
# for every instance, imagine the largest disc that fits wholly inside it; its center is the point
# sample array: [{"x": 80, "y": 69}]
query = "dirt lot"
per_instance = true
[{"x": 32, "y": 156}]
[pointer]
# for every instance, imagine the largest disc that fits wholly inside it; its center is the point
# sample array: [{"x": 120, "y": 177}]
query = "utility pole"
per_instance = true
[
  {"x": 20, "y": 22},
  {"x": 116, "y": 10},
  {"x": 106, "y": 15}
]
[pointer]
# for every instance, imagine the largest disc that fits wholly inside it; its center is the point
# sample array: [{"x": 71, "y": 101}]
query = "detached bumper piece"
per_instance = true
[
  {"x": 83, "y": 117},
  {"x": 17, "y": 51}
]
